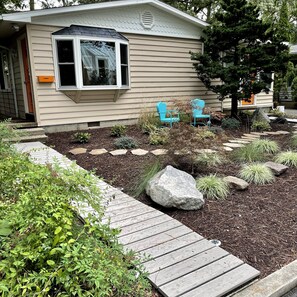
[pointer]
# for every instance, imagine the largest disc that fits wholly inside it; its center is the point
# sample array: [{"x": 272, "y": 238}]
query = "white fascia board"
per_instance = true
[{"x": 27, "y": 16}]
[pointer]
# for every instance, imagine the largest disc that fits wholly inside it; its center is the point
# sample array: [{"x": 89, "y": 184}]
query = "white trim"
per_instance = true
[
  {"x": 27, "y": 16},
  {"x": 78, "y": 67}
]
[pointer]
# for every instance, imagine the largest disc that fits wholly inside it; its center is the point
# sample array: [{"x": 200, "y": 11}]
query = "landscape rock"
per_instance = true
[
  {"x": 139, "y": 152},
  {"x": 233, "y": 145},
  {"x": 276, "y": 168},
  {"x": 78, "y": 151},
  {"x": 228, "y": 149},
  {"x": 96, "y": 152},
  {"x": 118, "y": 152},
  {"x": 260, "y": 115},
  {"x": 159, "y": 152},
  {"x": 236, "y": 183},
  {"x": 175, "y": 188}
]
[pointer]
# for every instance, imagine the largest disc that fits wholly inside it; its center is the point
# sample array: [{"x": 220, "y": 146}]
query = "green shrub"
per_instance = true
[
  {"x": 159, "y": 136},
  {"x": 118, "y": 130},
  {"x": 205, "y": 134},
  {"x": 148, "y": 128},
  {"x": 7, "y": 132},
  {"x": 294, "y": 141},
  {"x": 149, "y": 171},
  {"x": 256, "y": 173},
  {"x": 260, "y": 126},
  {"x": 247, "y": 153},
  {"x": 216, "y": 130},
  {"x": 213, "y": 187},
  {"x": 126, "y": 142},
  {"x": 277, "y": 113},
  {"x": 208, "y": 159},
  {"x": 288, "y": 158},
  {"x": 82, "y": 137},
  {"x": 148, "y": 120},
  {"x": 45, "y": 249},
  {"x": 265, "y": 146},
  {"x": 230, "y": 123}
]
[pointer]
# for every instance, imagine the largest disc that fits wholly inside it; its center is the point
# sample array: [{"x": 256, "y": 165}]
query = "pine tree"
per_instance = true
[{"x": 240, "y": 52}]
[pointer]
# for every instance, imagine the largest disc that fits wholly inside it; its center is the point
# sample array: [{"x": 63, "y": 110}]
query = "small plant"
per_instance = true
[
  {"x": 148, "y": 128},
  {"x": 82, "y": 137},
  {"x": 256, "y": 173},
  {"x": 118, "y": 130},
  {"x": 126, "y": 142},
  {"x": 213, "y": 187},
  {"x": 247, "y": 153},
  {"x": 205, "y": 134},
  {"x": 216, "y": 130},
  {"x": 159, "y": 136},
  {"x": 147, "y": 120},
  {"x": 150, "y": 171},
  {"x": 288, "y": 158},
  {"x": 260, "y": 126},
  {"x": 294, "y": 141},
  {"x": 208, "y": 159},
  {"x": 265, "y": 146},
  {"x": 230, "y": 123},
  {"x": 277, "y": 113}
]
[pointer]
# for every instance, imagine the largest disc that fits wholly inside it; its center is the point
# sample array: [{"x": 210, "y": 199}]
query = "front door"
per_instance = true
[{"x": 27, "y": 76}]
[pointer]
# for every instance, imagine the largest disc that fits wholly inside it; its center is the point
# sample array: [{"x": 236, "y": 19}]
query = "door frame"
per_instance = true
[{"x": 21, "y": 61}]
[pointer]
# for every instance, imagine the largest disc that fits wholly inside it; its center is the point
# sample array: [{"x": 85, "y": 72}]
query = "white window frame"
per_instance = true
[
  {"x": 7, "y": 87},
  {"x": 78, "y": 67}
]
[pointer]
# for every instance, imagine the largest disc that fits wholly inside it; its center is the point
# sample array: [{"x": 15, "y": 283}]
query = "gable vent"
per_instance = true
[{"x": 147, "y": 20}]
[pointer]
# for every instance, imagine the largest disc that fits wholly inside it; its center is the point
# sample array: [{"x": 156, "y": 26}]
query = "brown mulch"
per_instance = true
[{"x": 258, "y": 225}]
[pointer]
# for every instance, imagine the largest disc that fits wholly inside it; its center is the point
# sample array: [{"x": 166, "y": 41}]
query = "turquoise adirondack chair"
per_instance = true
[
  {"x": 197, "y": 111},
  {"x": 167, "y": 116}
]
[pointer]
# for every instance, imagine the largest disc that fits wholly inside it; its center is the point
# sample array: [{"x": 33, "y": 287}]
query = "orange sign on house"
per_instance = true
[
  {"x": 45, "y": 79},
  {"x": 248, "y": 101}
]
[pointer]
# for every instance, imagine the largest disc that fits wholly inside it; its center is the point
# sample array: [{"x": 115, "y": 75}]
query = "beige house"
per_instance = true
[{"x": 93, "y": 65}]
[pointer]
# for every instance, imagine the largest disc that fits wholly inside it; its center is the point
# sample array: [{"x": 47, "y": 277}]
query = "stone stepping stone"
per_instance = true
[
  {"x": 159, "y": 152},
  {"x": 118, "y": 152},
  {"x": 233, "y": 145},
  {"x": 182, "y": 153},
  {"x": 239, "y": 141},
  {"x": 259, "y": 133},
  {"x": 274, "y": 133},
  {"x": 251, "y": 135},
  {"x": 96, "y": 152},
  {"x": 78, "y": 151},
  {"x": 228, "y": 149},
  {"x": 283, "y": 132},
  {"x": 236, "y": 183},
  {"x": 250, "y": 139},
  {"x": 139, "y": 152},
  {"x": 276, "y": 168},
  {"x": 294, "y": 132},
  {"x": 208, "y": 151}
]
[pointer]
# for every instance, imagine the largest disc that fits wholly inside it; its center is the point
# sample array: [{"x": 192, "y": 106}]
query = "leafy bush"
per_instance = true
[
  {"x": 213, "y": 187},
  {"x": 45, "y": 249},
  {"x": 256, "y": 173},
  {"x": 118, "y": 130},
  {"x": 277, "y": 113},
  {"x": 148, "y": 128},
  {"x": 205, "y": 134},
  {"x": 248, "y": 153},
  {"x": 265, "y": 146},
  {"x": 216, "y": 130},
  {"x": 159, "y": 136},
  {"x": 148, "y": 120},
  {"x": 7, "y": 132},
  {"x": 230, "y": 123},
  {"x": 288, "y": 158},
  {"x": 126, "y": 142},
  {"x": 82, "y": 137},
  {"x": 208, "y": 159},
  {"x": 260, "y": 126},
  {"x": 148, "y": 173}
]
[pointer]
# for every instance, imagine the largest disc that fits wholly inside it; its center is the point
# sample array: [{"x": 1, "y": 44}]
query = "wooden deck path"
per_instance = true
[{"x": 181, "y": 262}]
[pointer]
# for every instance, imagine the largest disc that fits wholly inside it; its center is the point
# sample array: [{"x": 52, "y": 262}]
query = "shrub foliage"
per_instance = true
[{"x": 256, "y": 173}]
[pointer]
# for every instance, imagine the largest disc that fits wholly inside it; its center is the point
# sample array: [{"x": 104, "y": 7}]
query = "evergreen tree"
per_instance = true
[{"x": 240, "y": 52}]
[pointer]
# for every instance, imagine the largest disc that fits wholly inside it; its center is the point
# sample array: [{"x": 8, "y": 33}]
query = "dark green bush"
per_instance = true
[
  {"x": 230, "y": 123},
  {"x": 260, "y": 126},
  {"x": 118, "y": 130},
  {"x": 45, "y": 249},
  {"x": 126, "y": 142},
  {"x": 82, "y": 137}
]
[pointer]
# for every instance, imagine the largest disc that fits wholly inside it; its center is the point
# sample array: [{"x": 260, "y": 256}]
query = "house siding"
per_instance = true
[{"x": 160, "y": 69}]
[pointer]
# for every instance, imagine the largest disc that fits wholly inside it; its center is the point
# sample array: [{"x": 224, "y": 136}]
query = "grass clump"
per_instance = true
[
  {"x": 260, "y": 126},
  {"x": 256, "y": 173},
  {"x": 294, "y": 141},
  {"x": 288, "y": 158},
  {"x": 118, "y": 130},
  {"x": 159, "y": 136},
  {"x": 248, "y": 154},
  {"x": 82, "y": 137},
  {"x": 148, "y": 122},
  {"x": 149, "y": 172},
  {"x": 208, "y": 159},
  {"x": 213, "y": 187},
  {"x": 125, "y": 142},
  {"x": 265, "y": 146},
  {"x": 230, "y": 123}
]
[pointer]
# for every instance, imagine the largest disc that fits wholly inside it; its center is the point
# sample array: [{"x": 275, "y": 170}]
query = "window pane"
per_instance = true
[
  {"x": 67, "y": 75},
  {"x": 98, "y": 62},
  {"x": 124, "y": 73},
  {"x": 65, "y": 51},
  {"x": 4, "y": 72},
  {"x": 2, "y": 83},
  {"x": 124, "y": 54}
]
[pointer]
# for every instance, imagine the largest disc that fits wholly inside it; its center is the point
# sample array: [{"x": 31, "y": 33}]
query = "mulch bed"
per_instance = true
[{"x": 258, "y": 225}]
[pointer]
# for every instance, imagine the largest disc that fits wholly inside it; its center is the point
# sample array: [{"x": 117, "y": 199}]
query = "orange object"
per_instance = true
[
  {"x": 46, "y": 79},
  {"x": 249, "y": 101}
]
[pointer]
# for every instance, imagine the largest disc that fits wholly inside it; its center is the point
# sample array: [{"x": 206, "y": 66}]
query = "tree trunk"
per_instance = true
[
  {"x": 32, "y": 6},
  {"x": 234, "y": 106}
]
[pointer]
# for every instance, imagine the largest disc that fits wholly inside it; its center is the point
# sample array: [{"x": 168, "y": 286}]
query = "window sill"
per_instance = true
[{"x": 111, "y": 88}]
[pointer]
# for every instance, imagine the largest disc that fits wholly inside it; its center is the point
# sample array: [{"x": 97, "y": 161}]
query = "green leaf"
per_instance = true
[
  {"x": 50, "y": 262},
  {"x": 58, "y": 230},
  {"x": 5, "y": 231}
]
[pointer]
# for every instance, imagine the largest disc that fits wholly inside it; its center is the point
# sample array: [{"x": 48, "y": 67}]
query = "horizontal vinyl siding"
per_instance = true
[{"x": 160, "y": 69}]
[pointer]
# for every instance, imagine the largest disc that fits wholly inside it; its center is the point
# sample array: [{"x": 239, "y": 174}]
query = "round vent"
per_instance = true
[{"x": 147, "y": 20}]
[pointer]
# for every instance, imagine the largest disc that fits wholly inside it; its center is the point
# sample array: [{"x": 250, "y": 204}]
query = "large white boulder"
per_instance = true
[{"x": 175, "y": 188}]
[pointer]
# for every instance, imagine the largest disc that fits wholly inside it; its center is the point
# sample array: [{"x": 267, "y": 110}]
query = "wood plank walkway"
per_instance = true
[{"x": 179, "y": 261}]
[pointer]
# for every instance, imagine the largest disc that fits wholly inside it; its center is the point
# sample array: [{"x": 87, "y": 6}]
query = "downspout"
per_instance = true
[{"x": 12, "y": 81}]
